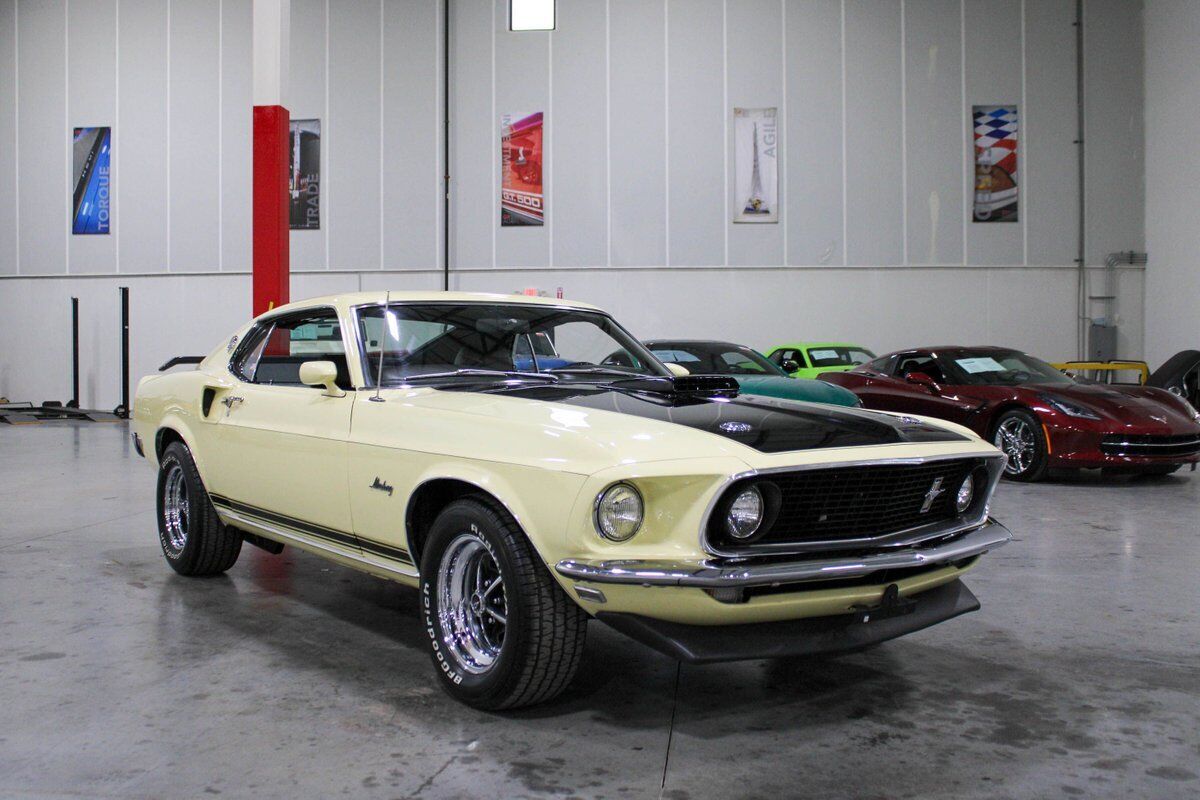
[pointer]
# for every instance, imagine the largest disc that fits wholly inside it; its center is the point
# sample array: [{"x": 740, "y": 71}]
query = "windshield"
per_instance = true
[
  {"x": 838, "y": 356},
  {"x": 713, "y": 358},
  {"x": 432, "y": 341},
  {"x": 1003, "y": 367}
]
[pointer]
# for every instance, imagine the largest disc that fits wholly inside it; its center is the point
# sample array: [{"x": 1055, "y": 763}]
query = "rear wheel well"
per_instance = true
[
  {"x": 428, "y": 501},
  {"x": 164, "y": 438}
]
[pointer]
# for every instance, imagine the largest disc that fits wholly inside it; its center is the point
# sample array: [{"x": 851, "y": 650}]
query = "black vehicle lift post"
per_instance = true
[
  {"x": 74, "y": 402},
  {"x": 122, "y": 410}
]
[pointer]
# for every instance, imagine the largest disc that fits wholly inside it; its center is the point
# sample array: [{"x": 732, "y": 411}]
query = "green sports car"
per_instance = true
[
  {"x": 810, "y": 359},
  {"x": 753, "y": 372}
]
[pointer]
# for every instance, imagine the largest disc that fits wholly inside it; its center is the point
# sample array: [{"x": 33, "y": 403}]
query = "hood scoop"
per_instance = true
[{"x": 682, "y": 386}]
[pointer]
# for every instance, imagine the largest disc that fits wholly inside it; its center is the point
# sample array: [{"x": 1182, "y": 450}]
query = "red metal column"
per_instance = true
[{"x": 272, "y": 271}]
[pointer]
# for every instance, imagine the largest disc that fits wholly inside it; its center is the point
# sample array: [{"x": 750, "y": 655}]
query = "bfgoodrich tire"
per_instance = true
[
  {"x": 502, "y": 633},
  {"x": 193, "y": 540},
  {"x": 1018, "y": 433}
]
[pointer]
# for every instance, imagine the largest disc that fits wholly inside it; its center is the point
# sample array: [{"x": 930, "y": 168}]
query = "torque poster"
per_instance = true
[
  {"x": 756, "y": 175},
  {"x": 304, "y": 174},
  {"x": 996, "y": 130},
  {"x": 91, "y": 212},
  {"x": 521, "y": 199}
]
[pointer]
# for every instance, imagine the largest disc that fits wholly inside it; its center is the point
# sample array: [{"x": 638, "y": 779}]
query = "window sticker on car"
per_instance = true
[
  {"x": 823, "y": 353},
  {"x": 984, "y": 364}
]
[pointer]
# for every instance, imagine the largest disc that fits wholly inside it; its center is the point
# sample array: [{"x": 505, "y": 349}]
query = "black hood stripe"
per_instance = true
[{"x": 767, "y": 424}]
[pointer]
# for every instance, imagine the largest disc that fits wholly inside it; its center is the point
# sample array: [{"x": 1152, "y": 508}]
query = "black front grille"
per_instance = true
[
  {"x": 1118, "y": 444},
  {"x": 850, "y": 502}
]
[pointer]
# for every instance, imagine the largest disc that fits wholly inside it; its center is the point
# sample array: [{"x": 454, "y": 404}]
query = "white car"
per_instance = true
[{"x": 528, "y": 465}]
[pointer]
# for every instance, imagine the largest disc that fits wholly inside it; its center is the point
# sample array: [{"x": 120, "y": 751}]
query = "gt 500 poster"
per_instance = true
[
  {"x": 996, "y": 129},
  {"x": 521, "y": 199},
  {"x": 91, "y": 212}
]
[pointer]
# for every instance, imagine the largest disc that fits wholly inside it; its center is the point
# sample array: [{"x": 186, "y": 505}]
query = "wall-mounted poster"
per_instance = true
[
  {"x": 996, "y": 131},
  {"x": 304, "y": 174},
  {"x": 521, "y": 199},
  {"x": 91, "y": 212},
  {"x": 756, "y": 174}
]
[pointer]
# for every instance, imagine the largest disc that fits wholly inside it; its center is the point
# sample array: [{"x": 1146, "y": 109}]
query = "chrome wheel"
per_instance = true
[
  {"x": 1016, "y": 439},
  {"x": 472, "y": 608},
  {"x": 176, "y": 507}
]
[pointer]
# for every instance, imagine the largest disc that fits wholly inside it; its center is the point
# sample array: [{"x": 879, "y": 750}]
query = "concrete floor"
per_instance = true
[{"x": 293, "y": 678}]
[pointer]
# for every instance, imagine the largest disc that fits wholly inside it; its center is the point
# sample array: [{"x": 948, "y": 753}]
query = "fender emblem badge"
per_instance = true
[
  {"x": 934, "y": 492},
  {"x": 736, "y": 427},
  {"x": 381, "y": 486}
]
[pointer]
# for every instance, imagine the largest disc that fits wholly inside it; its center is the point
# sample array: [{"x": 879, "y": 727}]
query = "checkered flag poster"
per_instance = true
[{"x": 995, "y": 133}]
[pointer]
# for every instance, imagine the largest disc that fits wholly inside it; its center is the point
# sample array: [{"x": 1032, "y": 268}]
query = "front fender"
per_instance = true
[{"x": 539, "y": 500}]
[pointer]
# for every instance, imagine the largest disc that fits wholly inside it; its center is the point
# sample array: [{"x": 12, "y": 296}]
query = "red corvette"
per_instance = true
[{"x": 1041, "y": 418}]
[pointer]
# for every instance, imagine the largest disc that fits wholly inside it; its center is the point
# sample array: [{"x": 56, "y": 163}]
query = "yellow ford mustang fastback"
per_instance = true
[{"x": 527, "y": 464}]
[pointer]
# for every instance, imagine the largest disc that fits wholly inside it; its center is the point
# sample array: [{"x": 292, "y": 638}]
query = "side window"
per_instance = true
[
  {"x": 273, "y": 354},
  {"x": 780, "y": 356},
  {"x": 543, "y": 346},
  {"x": 882, "y": 365},
  {"x": 858, "y": 357},
  {"x": 919, "y": 363},
  {"x": 245, "y": 359},
  {"x": 314, "y": 337},
  {"x": 739, "y": 364}
]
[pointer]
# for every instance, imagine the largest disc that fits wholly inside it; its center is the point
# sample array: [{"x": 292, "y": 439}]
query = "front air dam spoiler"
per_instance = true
[{"x": 704, "y": 644}]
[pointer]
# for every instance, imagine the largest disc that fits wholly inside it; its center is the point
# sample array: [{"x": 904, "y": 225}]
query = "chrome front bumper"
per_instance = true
[{"x": 718, "y": 573}]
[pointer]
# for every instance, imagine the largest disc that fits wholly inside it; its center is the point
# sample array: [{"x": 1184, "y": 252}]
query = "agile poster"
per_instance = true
[
  {"x": 521, "y": 199},
  {"x": 91, "y": 210},
  {"x": 304, "y": 174},
  {"x": 756, "y": 172},
  {"x": 996, "y": 139}
]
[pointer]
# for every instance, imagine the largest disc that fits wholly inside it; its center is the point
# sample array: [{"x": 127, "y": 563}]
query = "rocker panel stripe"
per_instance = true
[{"x": 312, "y": 529}]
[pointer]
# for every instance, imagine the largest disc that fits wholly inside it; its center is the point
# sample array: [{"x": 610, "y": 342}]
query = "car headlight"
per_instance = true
[
  {"x": 1069, "y": 408},
  {"x": 619, "y": 512},
  {"x": 745, "y": 513},
  {"x": 966, "y": 494}
]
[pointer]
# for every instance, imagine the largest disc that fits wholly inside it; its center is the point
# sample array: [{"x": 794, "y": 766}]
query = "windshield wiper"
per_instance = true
[{"x": 469, "y": 372}]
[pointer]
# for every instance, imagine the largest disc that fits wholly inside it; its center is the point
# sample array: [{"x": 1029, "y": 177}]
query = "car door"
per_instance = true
[
  {"x": 282, "y": 446},
  {"x": 874, "y": 384},
  {"x": 893, "y": 392},
  {"x": 382, "y": 473}
]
